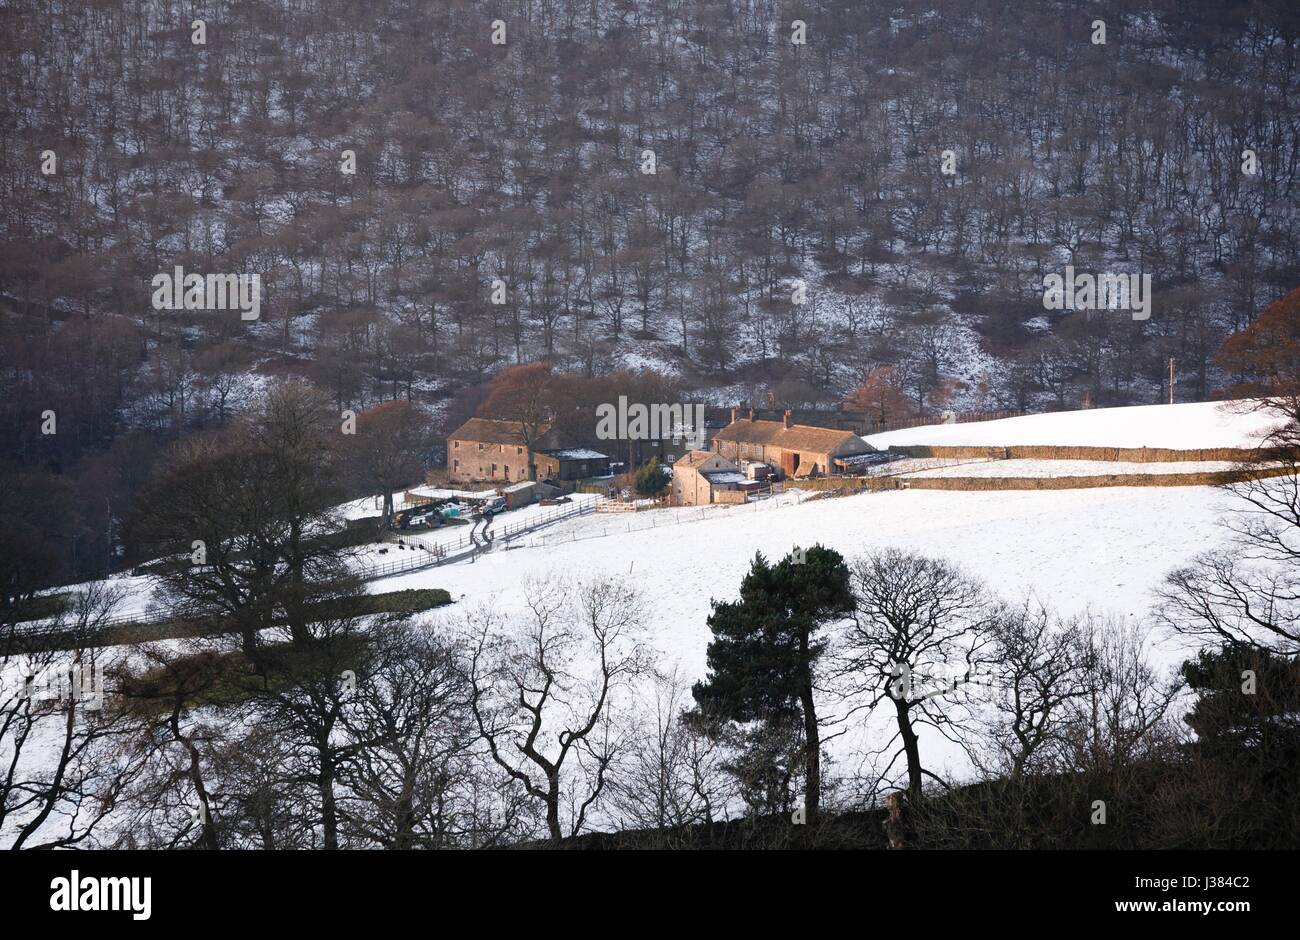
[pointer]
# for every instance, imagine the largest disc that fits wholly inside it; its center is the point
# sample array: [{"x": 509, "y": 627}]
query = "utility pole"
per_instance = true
[
  {"x": 1172, "y": 360},
  {"x": 108, "y": 567}
]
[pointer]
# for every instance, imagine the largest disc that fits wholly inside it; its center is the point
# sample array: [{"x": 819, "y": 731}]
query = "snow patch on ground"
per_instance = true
[{"x": 1179, "y": 427}]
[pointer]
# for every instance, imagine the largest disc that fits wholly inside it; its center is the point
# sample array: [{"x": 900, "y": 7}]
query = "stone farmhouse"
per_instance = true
[
  {"x": 798, "y": 451},
  {"x": 489, "y": 450}
]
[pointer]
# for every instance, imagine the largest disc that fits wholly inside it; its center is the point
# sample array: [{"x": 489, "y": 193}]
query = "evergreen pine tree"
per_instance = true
[
  {"x": 1247, "y": 707},
  {"x": 763, "y": 656}
]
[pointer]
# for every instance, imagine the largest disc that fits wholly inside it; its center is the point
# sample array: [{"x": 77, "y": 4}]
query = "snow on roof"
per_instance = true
[
  {"x": 576, "y": 453},
  {"x": 1177, "y": 427},
  {"x": 853, "y": 460},
  {"x": 724, "y": 476}
]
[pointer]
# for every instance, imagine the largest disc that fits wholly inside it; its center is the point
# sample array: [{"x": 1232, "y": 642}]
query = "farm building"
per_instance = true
[
  {"x": 571, "y": 463},
  {"x": 797, "y": 450},
  {"x": 486, "y": 449},
  {"x": 519, "y": 494},
  {"x": 700, "y": 477}
]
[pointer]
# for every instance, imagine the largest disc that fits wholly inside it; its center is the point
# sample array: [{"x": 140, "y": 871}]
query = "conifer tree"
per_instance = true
[{"x": 763, "y": 657}]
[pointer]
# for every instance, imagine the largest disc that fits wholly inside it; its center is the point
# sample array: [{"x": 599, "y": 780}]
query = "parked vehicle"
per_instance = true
[{"x": 499, "y": 504}]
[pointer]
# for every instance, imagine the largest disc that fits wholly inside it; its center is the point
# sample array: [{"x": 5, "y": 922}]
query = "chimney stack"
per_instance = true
[
  {"x": 786, "y": 419},
  {"x": 733, "y": 415},
  {"x": 751, "y": 414}
]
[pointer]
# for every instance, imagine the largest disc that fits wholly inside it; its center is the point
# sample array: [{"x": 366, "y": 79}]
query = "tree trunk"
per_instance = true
[
  {"x": 553, "y": 808},
  {"x": 812, "y": 743},
  {"x": 328, "y": 811},
  {"x": 208, "y": 838},
  {"x": 910, "y": 748}
]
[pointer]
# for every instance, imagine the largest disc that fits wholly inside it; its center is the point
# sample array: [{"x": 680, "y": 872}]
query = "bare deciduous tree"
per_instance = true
[
  {"x": 1126, "y": 700},
  {"x": 670, "y": 774},
  {"x": 1037, "y": 663},
  {"x": 545, "y": 690},
  {"x": 61, "y": 733},
  {"x": 417, "y": 779},
  {"x": 922, "y": 630},
  {"x": 1249, "y": 590}
]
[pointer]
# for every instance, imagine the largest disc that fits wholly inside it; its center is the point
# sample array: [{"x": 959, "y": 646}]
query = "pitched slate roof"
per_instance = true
[
  {"x": 491, "y": 431},
  {"x": 693, "y": 458},
  {"x": 775, "y": 433}
]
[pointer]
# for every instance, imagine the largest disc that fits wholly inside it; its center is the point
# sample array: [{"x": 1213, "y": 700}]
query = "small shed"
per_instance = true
[
  {"x": 519, "y": 494},
  {"x": 572, "y": 463}
]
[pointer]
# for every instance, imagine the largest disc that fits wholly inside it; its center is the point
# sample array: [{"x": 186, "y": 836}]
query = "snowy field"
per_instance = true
[
  {"x": 1099, "y": 549},
  {"x": 1178, "y": 427}
]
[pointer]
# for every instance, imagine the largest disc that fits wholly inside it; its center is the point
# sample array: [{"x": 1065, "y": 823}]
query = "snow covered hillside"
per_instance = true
[{"x": 1178, "y": 427}]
